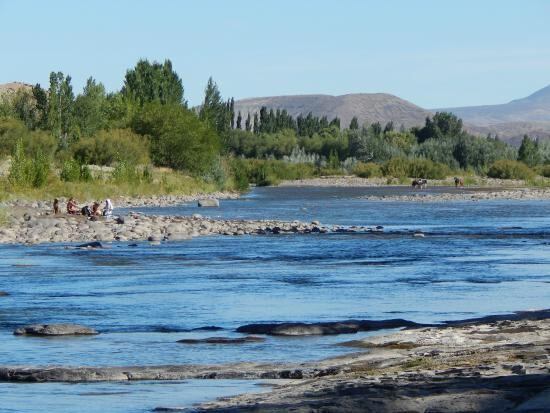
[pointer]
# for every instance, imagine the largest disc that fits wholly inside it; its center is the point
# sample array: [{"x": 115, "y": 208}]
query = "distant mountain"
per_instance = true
[
  {"x": 529, "y": 115},
  {"x": 368, "y": 107},
  {"x": 533, "y": 108},
  {"x": 510, "y": 121}
]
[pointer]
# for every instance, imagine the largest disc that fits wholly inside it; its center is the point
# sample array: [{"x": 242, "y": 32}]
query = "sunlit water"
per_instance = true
[{"x": 477, "y": 258}]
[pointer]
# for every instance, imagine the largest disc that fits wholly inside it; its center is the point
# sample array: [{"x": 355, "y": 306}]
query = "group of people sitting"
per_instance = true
[{"x": 94, "y": 211}]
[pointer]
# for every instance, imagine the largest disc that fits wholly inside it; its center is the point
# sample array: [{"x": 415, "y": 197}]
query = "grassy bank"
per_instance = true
[{"x": 161, "y": 181}]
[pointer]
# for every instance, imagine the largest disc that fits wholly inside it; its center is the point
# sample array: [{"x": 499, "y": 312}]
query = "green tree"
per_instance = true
[
  {"x": 529, "y": 152},
  {"x": 41, "y": 99},
  {"x": 152, "y": 82},
  {"x": 90, "y": 108},
  {"x": 179, "y": 139},
  {"x": 214, "y": 111},
  {"x": 61, "y": 107},
  {"x": 354, "y": 124}
]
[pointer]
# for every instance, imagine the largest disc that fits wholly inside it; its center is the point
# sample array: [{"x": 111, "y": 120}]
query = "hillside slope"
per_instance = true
[
  {"x": 533, "y": 108},
  {"x": 368, "y": 107}
]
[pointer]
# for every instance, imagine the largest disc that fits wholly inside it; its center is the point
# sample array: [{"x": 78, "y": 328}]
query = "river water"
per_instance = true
[{"x": 477, "y": 258}]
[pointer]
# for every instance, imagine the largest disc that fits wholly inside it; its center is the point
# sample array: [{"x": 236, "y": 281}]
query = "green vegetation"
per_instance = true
[
  {"x": 505, "y": 169},
  {"x": 144, "y": 139}
]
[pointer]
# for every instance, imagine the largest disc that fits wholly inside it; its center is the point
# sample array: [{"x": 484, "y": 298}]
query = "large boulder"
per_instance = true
[
  {"x": 54, "y": 330},
  {"x": 209, "y": 202}
]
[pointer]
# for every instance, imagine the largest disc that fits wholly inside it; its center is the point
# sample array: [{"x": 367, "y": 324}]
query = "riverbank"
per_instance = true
[
  {"x": 355, "y": 181},
  {"x": 471, "y": 194},
  {"x": 492, "y": 364},
  {"x": 31, "y": 227},
  {"x": 481, "y": 190}
]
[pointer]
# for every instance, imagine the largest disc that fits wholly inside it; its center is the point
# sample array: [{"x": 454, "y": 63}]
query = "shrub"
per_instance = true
[
  {"x": 108, "y": 146},
  {"x": 396, "y": 167},
  {"x": 506, "y": 169},
  {"x": 74, "y": 171},
  {"x": 125, "y": 172},
  {"x": 424, "y": 168},
  {"x": 544, "y": 170},
  {"x": 27, "y": 171},
  {"x": 367, "y": 170}
]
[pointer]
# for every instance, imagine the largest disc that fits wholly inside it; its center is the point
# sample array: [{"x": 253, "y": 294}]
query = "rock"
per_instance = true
[
  {"x": 55, "y": 330},
  {"x": 120, "y": 220},
  {"x": 196, "y": 216},
  {"x": 4, "y": 294},
  {"x": 316, "y": 223},
  {"x": 418, "y": 235},
  {"x": 26, "y": 217},
  {"x": 328, "y": 328},
  {"x": 153, "y": 238},
  {"x": 94, "y": 244},
  {"x": 222, "y": 340},
  {"x": 208, "y": 202}
]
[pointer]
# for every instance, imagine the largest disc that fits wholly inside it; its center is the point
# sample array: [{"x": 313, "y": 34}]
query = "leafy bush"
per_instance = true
[
  {"x": 543, "y": 170},
  {"x": 74, "y": 171},
  {"x": 424, "y": 168},
  {"x": 270, "y": 172},
  {"x": 26, "y": 171},
  {"x": 108, "y": 146},
  {"x": 125, "y": 172},
  {"x": 367, "y": 170},
  {"x": 416, "y": 168},
  {"x": 396, "y": 167},
  {"x": 12, "y": 131},
  {"x": 507, "y": 169}
]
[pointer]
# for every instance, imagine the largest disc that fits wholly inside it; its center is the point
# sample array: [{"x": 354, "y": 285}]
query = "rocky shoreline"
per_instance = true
[
  {"x": 127, "y": 201},
  {"x": 496, "y": 363},
  {"x": 487, "y": 365},
  {"x": 480, "y": 194}
]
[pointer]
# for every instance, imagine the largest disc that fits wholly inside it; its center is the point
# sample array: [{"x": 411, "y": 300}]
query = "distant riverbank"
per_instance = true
[{"x": 484, "y": 189}]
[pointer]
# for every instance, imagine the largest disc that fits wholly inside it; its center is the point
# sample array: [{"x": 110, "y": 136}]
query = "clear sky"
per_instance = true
[{"x": 433, "y": 53}]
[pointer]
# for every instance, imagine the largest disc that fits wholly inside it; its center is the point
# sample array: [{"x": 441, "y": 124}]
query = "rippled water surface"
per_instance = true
[{"x": 477, "y": 258}]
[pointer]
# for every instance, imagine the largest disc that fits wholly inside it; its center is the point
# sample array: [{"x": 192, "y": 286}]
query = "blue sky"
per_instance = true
[{"x": 433, "y": 53}]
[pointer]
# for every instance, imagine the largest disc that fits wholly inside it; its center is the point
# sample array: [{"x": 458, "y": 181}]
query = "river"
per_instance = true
[{"x": 476, "y": 258}]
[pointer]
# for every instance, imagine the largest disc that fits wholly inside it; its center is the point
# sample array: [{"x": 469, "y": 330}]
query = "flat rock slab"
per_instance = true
[
  {"x": 54, "y": 330},
  {"x": 223, "y": 340},
  {"x": 327, "y": 328}
]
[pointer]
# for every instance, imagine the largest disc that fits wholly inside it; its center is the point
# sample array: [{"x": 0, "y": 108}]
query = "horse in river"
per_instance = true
[
  {"x": 420, "y": 183},
  {"x": 459, "y": 181}
]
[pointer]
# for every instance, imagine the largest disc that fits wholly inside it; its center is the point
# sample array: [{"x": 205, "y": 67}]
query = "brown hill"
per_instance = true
[
  {"x": 529, "y": 115},
  {"x": 368, "y": 107},
  {"x": 12, "y": 88}
]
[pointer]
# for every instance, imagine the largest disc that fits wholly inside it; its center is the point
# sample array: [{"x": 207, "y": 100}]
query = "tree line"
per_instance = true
[{"x": 149, "y": 121}]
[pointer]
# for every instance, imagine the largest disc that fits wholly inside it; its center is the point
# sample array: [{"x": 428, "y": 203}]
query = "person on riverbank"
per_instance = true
[
  {"x": 56, "y": 206},
  {"x": 95, "y": 209},
  {"x": 108, "y": 208},
  {"x": 72, "y": 207}
]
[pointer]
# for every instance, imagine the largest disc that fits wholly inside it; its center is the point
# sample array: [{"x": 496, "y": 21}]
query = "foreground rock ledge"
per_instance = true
[{"x": 493, "y": 364}]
